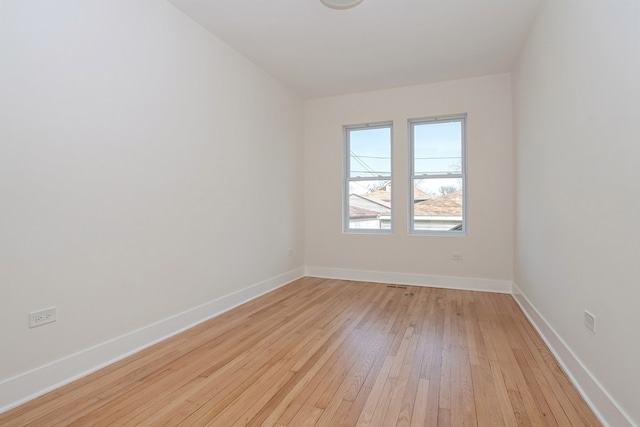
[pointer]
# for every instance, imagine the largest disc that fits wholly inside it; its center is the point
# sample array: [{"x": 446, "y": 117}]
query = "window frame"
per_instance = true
[
  {"x": 347, "y": 177},
  {"x": 462, "y": 119}
]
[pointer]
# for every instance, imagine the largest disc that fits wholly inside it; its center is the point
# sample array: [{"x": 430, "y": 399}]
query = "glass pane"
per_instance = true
[
  {"x": 442, "y": 209},
  {"x": 437, "y": 148},
  {"x": 370, "y": 205},
  {"x": 370, "y": 152}
]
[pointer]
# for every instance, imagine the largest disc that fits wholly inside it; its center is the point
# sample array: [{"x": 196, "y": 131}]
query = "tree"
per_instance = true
[
  {"x": 447, "y": 189},
  {"x": 373, "y": 187}
]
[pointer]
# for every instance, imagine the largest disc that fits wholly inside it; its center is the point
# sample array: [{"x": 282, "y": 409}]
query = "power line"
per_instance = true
[{"x": 363, "y": 164}]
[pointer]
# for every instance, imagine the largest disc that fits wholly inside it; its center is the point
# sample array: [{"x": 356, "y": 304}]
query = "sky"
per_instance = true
[{"x": 438, "y": 151}]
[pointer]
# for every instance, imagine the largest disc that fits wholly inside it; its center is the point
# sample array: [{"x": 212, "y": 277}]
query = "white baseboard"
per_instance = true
[
  {"x": 462, "y": 283},
  {"x": 602, "y": 404},
  {"x": 29, "y": 385}
]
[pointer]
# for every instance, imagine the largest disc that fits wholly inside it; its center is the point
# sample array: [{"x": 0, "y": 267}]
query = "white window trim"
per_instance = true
[
  {"x": 462, "y": 118},
  {"x": 347, "y": 178}
]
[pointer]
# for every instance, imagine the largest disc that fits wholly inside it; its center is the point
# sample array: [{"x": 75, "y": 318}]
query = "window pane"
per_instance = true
[
  {"x": 442, "y": 210},
  {"x": 370, "y": 205},
  {"x": 370, "y": 152},
  {"x": 437, "y": 148}
]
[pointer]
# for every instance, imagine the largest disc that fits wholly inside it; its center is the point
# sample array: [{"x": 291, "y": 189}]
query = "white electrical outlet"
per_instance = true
[
  {"x": 456, "y": 256},
  {"x": 590, "y": 321},
  {"x": 37, "y": 318},
  {"x": 290, "y": 252}
]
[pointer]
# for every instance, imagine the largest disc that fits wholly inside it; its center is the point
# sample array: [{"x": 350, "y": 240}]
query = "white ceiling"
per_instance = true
[{"x": 319, "y": 51}]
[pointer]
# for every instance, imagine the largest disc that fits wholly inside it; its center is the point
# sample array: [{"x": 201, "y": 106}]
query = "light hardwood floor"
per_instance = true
[{"x": 333, "y": 353}]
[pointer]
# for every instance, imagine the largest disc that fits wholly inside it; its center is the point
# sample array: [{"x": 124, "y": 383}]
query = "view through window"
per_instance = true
[
  {"x": 368, "y": 178},
  {"x": 438, "y": 175}
]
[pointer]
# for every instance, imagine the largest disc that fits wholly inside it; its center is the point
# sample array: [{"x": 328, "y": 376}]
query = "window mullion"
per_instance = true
[{"x": 450, "y": 175}]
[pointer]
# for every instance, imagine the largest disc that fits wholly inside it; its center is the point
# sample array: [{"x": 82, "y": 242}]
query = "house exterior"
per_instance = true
[
  {"x": 363, "y": 219},
  {"x": 365, "y": 211},
  {"x": 440, "y": 213},
  {"x": 384, "y": 194},
  {"x": 433, "y": 213}
]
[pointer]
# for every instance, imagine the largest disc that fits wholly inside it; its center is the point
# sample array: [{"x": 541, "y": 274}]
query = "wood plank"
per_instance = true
[
  {"x": 333, "y": 353},
  {"x": 375, "y": 395}
]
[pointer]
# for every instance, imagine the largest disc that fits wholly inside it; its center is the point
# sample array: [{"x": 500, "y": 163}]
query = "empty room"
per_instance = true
[{"x": 319, "y": 212}]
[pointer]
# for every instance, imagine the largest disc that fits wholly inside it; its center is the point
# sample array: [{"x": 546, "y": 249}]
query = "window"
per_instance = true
[
  {"x": 367, "y": 183},
  {"x": 438, "y": 176}
]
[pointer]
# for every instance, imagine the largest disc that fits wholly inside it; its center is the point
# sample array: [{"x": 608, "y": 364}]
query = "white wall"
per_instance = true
[
  {"x": 577, "y": 101},
  {"x": 488, "y": 248},
  {"x": 146, "y": 168}
]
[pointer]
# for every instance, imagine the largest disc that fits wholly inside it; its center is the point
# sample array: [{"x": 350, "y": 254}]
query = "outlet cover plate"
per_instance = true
[
  {"x": 590, "y": 321},
  {"x": 42, "y": 317}
]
